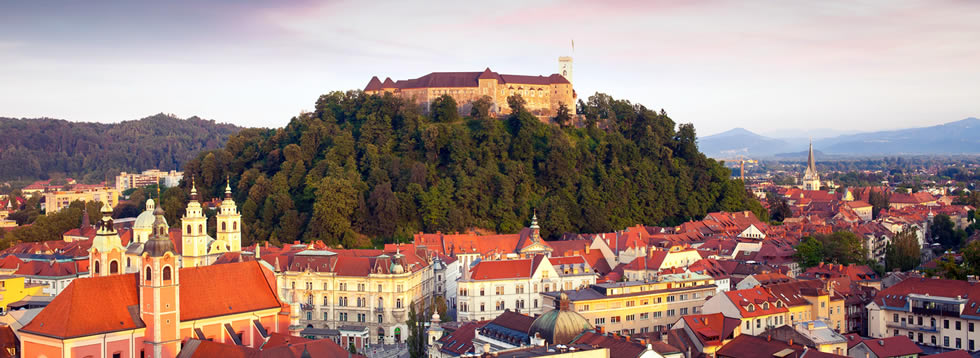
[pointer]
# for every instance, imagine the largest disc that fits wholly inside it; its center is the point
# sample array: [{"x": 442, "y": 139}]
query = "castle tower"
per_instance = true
[
  {"x": 811, "y": 180},
  {"x": 565, "y": 67},
  {"x": 194, "y": 232},
  {"x": 229, "y": 222},
  {"x": 160, "y": 292},
  {"x": 106, "y": 254}
]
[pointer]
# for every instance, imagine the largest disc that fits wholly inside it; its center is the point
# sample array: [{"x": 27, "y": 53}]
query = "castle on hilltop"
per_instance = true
[{"x": 543, "y": 94}]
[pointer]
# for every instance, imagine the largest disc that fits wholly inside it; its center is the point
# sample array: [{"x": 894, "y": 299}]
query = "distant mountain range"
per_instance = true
[{"x": 960, "y": 137}]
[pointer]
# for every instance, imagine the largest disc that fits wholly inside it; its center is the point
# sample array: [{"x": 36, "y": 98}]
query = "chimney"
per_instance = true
[
  {"x": 769, "y": 338},
  {"x": 790, "y": 341},
  {"x": 257, "y": 249}
]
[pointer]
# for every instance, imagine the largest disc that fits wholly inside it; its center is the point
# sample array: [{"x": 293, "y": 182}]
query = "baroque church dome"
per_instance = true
[
  {"x": 560, "y": 326},
  {"x": 145, "y": 219}
]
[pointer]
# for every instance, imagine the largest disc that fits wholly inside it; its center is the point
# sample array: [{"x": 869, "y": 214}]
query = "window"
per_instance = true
[
  {"x": 200, "y": 228},
  {"x": 166, "y": 273},
  {"x": 969, "y": 326},
  {"x": 683, "y": 311},
  {"x": 958, "y": 325},
  {"x": 630, "y": 317},
  {"x": 325, "y": 316},
  {"x": 500, "y": 290},
  {"x": 644, "y": 315},
  {"x": 224, "y": 226},
  {"x": 535, "y": 303},
  {"x": 970, "y": 345},
  {"x": 117, "y": 355},
  {"x": 188, "y": 229},
  {"x": 670, "y": 313},
  {"x": 585, "y": 308},
  {"x": 658, "y": 314},
  {"x": 601, "y": 320},
  {"x": 920, "y": 320},
  {"x": 97, "y": 270},
  {"x": 920, "y": 337},
  {"x": 234, "y": 225},
  {"x": 895, "y": 318},
  {"x": 932, "y": 323},
  {"x": 748, "y": 325},
  {"x": 148, "y": 277},
  {"x": 614, "y": 319},
  {"x": 758, "y": 323},
  {"x": 380, "y": 318},
  {"x": 933, "y": 339},
  {"x": 670, "y": 298},
  {"x": 959, "y": 343},
  {"x": 520, "y": 288},
  {"x": 482, "y": 293},
  {"x": 945, "y": 341},
  {"x": 309, "y": 316},
  {"x": 483, "y": 307},
  {"x": 946, "y": 324},
  {"x": 324, "y": 300}
]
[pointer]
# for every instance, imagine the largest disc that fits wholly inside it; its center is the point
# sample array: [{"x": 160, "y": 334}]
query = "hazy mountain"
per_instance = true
[
  {"x": 960, "y": 137},
  {"x": 740, "y": 141}
]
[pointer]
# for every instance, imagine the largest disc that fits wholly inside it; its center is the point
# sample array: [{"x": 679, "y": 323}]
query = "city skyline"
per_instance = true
[{"x": 762, "y": 66}]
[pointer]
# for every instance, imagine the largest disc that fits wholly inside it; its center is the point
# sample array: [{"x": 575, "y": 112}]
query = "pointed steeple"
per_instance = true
[
  {"x": 535, "y": 229},
  {"x": 810, "y": 164},
  {"x": 193, "y": 190},
  {"x": 228, "y": 188},
  {"x": 811, "y": 180}
]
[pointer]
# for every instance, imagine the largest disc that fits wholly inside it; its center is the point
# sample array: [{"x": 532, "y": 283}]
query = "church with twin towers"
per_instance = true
[{"x": 109, "y": 256}]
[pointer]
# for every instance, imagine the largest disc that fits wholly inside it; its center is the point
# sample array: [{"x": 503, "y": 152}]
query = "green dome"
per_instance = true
[{"x": 560, "y": 326}]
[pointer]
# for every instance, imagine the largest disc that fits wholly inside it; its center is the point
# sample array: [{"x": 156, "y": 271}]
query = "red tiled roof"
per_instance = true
[
  {"x": 755, "y": 297},
  {"x": 894, "y": 346},
  {"x": 373, "y": 85},
  {"x": 502, "y": 269},
  {"x": 461, "y": 340},
  {"x": 747, "y": 346},
  {"x": 618, "y": 347},
  {"x": 950, "y": 354},
  {"x": 106, "y": 304},
  {"x": 711, "y": 329}
]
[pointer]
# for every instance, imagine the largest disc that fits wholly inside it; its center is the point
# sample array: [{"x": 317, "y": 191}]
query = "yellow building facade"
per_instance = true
[
  {"x": 13, "y": 289},
  {"x": 639, "y": 307},
  {"x": 55, "y": 201}
]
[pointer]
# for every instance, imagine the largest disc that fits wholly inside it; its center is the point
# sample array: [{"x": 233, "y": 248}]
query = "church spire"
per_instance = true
[
  {"x": 811, "y": 180},
  {"x": 228, "y": 188},
  {"x": 810, "y": 164},
  {"x": 193, "y": 190}
]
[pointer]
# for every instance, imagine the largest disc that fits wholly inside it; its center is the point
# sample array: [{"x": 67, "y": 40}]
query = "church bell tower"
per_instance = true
[
  {"x": 229, "y": 222},
  {"x": 160, "y": 292},
  {"x": 194, "y": 232}
]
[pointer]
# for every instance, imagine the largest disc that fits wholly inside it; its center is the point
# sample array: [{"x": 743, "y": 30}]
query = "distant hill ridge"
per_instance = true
[
  {"x": 33, "y": 148},
  {"x": 959, "y": 137}
]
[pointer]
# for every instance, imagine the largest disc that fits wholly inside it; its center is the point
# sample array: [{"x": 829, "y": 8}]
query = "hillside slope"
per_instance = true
[{"x": 34, "y": 148}]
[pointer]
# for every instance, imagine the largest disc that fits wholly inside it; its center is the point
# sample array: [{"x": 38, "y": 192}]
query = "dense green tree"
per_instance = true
[
  {"x": 480, "y": 108},
  {"x": 809, "y": 252},
  {"x": 563, "y": 117},
  {"x": 779, "y": 208},
  {"x": 92, "y": 152},
  {"x": 444, "y": 109},
  {"x": 943, "y": 231},
  {"x": 904, "y": 252},
  {"x": 375, "y": 165},
  {"x": 416, "y": 341},
  {"x": 878, "y": 201}
]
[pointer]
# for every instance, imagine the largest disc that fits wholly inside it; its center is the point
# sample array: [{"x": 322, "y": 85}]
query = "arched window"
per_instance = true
[
  {"x": 188, "y": 229},
  {"x": 148, "y": 277},
  {"x": 113, "y": 267},
  {"x": 234, "y": 225},
  {"x": 166, "y": 273},
  {"x": 224, "y": 226},
  {"x": 97, "y": 267},
  {"x": 200, "y": 229},
  {"x": 381, "y": 302},
  {"x": 129, "y": 262}
]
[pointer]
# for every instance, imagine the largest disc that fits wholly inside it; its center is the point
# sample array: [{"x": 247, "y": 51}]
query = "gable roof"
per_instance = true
[
  {"x": 711, "y": 329},
  {"x": 504, "y": 269},
  {"x": 111, "y": 303},
  {"x": 754, "y": 298},
  {"x": 894, "y": 346}
]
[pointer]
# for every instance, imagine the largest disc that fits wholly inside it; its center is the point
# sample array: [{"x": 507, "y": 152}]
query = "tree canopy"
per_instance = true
[
  {"x": 36, "y": 148},
  {"x": 375, "y": 165}
]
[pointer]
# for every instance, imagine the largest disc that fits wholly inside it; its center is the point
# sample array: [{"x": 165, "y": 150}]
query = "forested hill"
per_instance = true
[
  {"x": 375, "y": 166},
  {"x": 34, "y": 148}
]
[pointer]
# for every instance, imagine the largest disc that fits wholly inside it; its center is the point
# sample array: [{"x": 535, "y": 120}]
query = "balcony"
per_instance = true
[
  {"x": 934, "y": 312},
  {"x": 306, "y": 306},
  {"x": 912, "y": 327},
  {"x": 379, "y": 310}
]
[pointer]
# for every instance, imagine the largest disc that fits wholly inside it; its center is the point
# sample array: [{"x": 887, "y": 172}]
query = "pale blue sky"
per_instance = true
[{"x": 761, "y": 65}]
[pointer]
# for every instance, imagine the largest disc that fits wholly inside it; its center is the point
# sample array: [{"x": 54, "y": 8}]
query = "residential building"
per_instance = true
[
  {"x": 704, "y": 333},
  {"x": 648, "y": 266},
  {"x": 126, "y": 180},
  {"x": 491, "y": 287},
  {"x": 635, "y": 307},
  {"x": 757, "y": 309},
  {"x": 891, "y": 347},
  {"x": 748, "y": 346},
  {"x": 932, "y": 312},
  {"x": 369, "y": 289},
  {"x": 57, "y": 200},
  {"x": 14, "y": 289}
]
